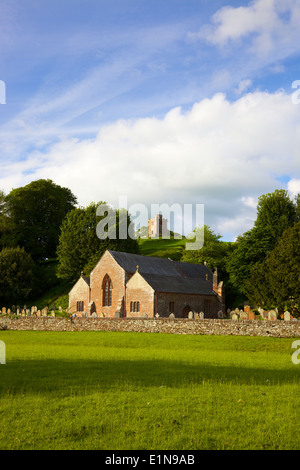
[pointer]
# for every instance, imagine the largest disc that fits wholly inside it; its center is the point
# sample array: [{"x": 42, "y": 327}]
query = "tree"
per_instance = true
[
  {"x": 80, "y": 248},
  {"x": 213, "y": 252},
  {"x": 35, "y": 214},
  {"x": 17, "y": 273},
  {"x": 276, "y": 281},
  {"x": 275, "y": 213}
]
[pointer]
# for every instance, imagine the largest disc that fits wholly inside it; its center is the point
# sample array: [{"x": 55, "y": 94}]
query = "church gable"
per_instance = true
[
  {"x": 79, "y": 296},
  {"x": 107, "y": 286}
]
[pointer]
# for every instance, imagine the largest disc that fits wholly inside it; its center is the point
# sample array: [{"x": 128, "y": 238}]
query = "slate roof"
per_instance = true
[
  {"x": 179, "y": 285},
  {"x": 166, "y": 275},
  {"x": 87, "y": 280}
]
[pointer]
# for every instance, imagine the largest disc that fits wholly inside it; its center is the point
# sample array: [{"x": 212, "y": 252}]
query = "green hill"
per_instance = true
[{"x": 162, "y": 248}]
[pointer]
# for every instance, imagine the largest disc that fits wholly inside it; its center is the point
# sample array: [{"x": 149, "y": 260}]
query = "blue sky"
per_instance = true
[{"x": 170, "y": 101}]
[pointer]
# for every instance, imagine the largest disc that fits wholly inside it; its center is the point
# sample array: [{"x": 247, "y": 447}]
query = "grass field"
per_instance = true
[{"x": 121, "y": 391}]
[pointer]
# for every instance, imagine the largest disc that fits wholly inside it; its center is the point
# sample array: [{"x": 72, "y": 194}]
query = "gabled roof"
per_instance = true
[
  {"x": 164, "y": 266},
  {"x": 166, "y": 275},
  {"x": 179, "y": 285},
  {"x": 87, "y": 280}
]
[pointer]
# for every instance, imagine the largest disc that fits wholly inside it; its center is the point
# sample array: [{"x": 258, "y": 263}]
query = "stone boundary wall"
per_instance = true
[{"x": 276, "y": 328}]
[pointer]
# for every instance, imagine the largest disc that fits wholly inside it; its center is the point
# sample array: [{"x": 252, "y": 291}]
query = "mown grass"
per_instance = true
[{"x": 111, "y": 390}]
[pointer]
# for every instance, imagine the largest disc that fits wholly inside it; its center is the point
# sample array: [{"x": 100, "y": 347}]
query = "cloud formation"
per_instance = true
[{"x": 218, "y": 153}]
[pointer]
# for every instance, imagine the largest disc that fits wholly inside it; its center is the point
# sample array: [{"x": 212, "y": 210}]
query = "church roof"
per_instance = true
[
  {"x": 166, "y": 275},
  {"x": 179, "y": 285}
]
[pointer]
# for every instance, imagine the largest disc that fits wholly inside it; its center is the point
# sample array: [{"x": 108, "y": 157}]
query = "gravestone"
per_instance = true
[
  {"x": 201, "y": 315},
  {"x": 157, "y": 315},
  {"x": 286, "y": 316},
  {"x": 171, "y": 316},
  {"x": 191, "y": 315},
  {"x": 4, "y": 310},
  {"x": 244, "y": 316},
  {"x": 272, "y": 315},
  {"x": 234, "y": 317}
]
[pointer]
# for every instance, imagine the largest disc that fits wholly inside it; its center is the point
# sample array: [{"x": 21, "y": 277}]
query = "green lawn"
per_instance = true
[{"x": 110, "y": 390}]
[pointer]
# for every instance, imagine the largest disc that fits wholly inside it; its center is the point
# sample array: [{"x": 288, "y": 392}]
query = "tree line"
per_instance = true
[{"x": 47, "y": 239}]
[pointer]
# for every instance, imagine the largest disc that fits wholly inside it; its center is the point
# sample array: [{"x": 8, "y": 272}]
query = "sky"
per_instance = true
[{"x": 153, "y": 102}]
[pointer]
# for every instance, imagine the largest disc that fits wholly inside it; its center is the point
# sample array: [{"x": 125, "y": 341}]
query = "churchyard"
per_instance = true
[{"x": 119, "y": 391}]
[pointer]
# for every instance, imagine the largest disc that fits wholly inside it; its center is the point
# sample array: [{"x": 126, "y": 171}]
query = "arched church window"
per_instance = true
[{"x": 107, "y": 291}]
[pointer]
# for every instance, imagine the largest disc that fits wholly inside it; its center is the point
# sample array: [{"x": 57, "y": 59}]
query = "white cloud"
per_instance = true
[
  {"x": 294, "y": 187},
  {"x": 270, "y": 27},
  {"x": 243, "y": 86},
  {"x": 219, "y": 153}
]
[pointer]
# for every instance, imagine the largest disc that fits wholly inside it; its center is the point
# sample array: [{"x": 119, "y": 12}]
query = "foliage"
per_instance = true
[
  {"x": 213, "y": 252},
  {"x": 80, "y": 248},
  {"x": 17, "y": 274},
  {"x": 277, "y": 279},
  {"x": 35, "y": 213},
  {"x": 275, "y": 213}
]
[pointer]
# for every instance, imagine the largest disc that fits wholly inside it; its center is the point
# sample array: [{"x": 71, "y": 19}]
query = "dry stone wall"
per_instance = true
[{"x": 276, "y": 328}]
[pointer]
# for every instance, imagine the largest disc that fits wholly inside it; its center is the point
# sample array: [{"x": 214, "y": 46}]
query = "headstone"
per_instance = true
[
  {"x": 4, "y": 310},
  {"x": 52, "y": 313},
  {"x": 244, "y": 316},
  {"x": 117, "y": 314},
  {"x": 171, "y": 316},
  {"x": 197, "y": 316},
  {"x": 220, "y": 314},
  {"x": 251, "y": 315},
  {"x": 13, "y": 309},
  {"x": 234, "y": 317},
  {"x": 286, "y": 316},
  {"x": 38, "y": 313},
  {"x": 28, "y": 312},
  {"x": 157, "y": 315},
  {"x": 8, "y": 311},
  {"x": 18, "y": 311},
  {"x": 272, "y": 315},
  {"x": 236, "y": 313},
  {"x": 191, "y": 315},
  {"x": 60, "y": 308},
  {"x": 201, "y": 315}
]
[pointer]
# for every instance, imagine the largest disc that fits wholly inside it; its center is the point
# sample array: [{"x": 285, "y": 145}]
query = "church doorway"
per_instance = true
[{"x": 187, "y": 309}]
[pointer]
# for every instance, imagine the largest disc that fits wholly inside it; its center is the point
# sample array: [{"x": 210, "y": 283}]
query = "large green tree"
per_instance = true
[
  {"x": 36, "y": 212},
  {"x": 276, "y": 281},
  {"x": 17, "y": 275},
  {"x": 80, "y": 247},
  {"x": 275, "y": 212}
]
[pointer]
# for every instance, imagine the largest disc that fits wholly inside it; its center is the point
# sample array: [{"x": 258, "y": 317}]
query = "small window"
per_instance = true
[
  {"x": 134, "y": 306},
  {"x": 206, "y": 306},
  {"x": 80, "y": 306},
  {"x": 171, "y": 307}
]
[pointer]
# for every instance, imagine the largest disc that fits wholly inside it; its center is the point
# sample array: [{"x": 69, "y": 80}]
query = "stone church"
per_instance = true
[{"x": 130, "y": 285}]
